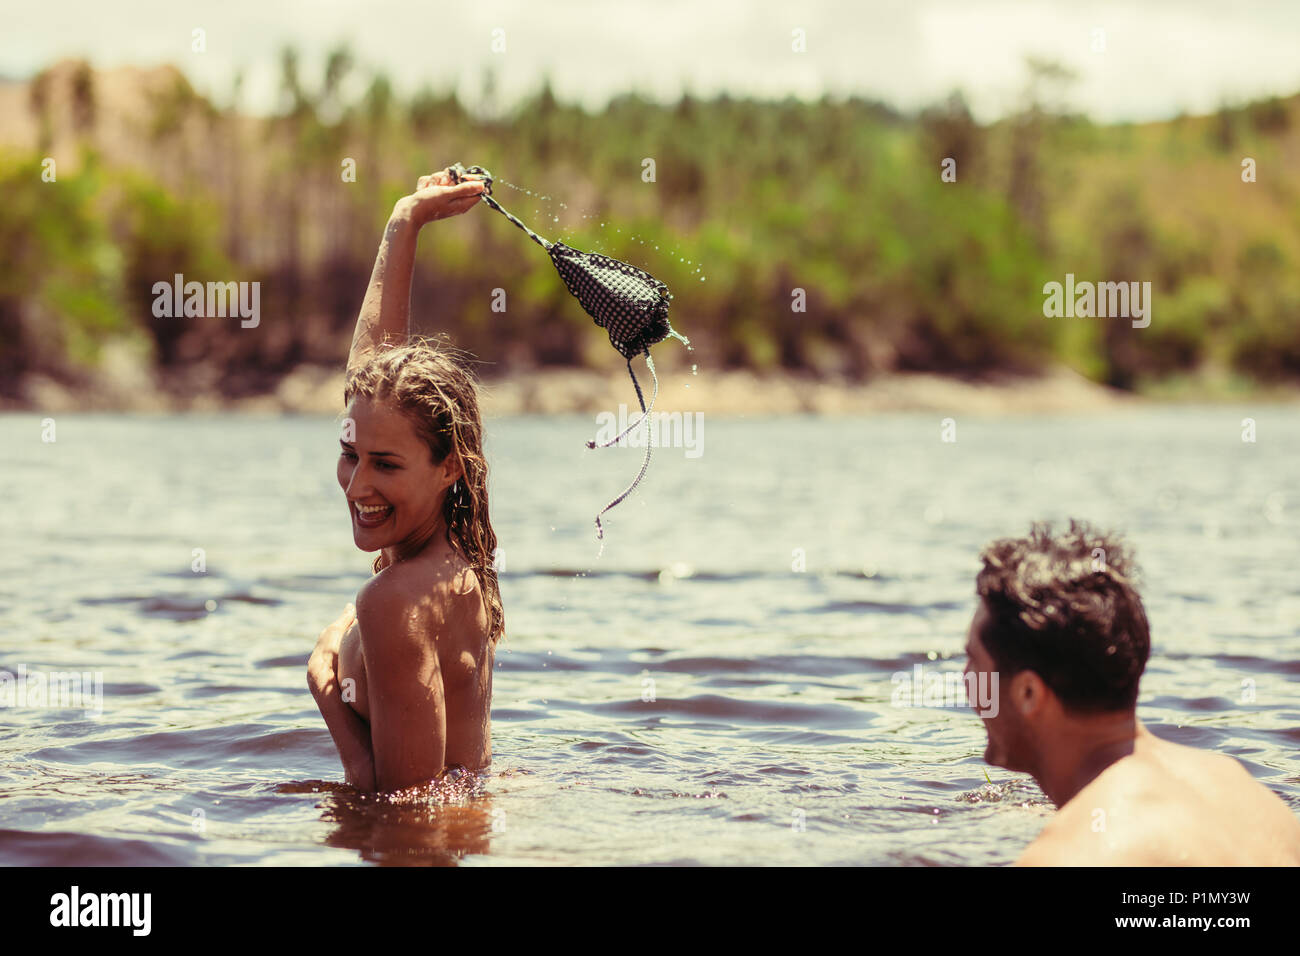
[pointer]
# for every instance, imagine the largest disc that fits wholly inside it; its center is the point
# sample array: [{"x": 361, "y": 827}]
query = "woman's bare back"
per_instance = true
[{"x": 440, "y": 589}]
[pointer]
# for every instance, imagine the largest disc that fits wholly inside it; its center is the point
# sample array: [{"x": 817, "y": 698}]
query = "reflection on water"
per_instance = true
[
  {"x": 716, "y": 688},
  {"x": 433, "y": 825}
]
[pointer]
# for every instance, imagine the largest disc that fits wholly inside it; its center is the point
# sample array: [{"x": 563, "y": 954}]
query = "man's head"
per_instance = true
[{"x": 1060, "y": 621}]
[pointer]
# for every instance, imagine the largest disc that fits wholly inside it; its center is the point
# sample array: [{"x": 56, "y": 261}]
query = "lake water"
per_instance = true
[{"x": 716, "y": 688}]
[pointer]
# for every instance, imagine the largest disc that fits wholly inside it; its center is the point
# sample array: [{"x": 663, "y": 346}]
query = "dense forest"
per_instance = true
[{"x": 818, "y": 237}]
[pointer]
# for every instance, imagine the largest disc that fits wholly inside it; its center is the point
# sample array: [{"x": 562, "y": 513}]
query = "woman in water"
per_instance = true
[{"x": 404, "y": 678}]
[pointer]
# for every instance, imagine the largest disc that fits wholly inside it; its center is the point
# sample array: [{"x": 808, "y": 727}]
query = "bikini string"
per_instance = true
[
  {"x": 458, "y": 174},
  {"x": 644, "y": 412},
  {"x": 645, "y": 416},
  {"x": 501, "y": 209}
]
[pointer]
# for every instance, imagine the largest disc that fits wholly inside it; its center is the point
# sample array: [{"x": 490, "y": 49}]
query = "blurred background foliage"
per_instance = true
[{"x": 840, "y": 198}]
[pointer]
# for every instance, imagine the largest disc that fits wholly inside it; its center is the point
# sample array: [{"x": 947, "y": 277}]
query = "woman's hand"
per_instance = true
[
  {"x": 351, "y": 734},
  {"x": 323, "y": 663},
  {"x": 435, "y": 197}
]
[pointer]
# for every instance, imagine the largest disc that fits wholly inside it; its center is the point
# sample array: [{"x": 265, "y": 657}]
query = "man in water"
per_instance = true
[{"x": 1060, "y": 623}]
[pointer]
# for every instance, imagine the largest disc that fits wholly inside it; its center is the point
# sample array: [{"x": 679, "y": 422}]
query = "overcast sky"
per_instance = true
[{"x": 1160, "y": 56}]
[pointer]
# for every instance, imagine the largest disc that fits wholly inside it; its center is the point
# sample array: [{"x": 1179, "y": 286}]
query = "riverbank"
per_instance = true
[{"x": 121, "y": 385}]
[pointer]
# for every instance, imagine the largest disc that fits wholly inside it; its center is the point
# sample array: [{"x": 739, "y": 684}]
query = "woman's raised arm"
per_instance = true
[{"x": 386, "y": 312}]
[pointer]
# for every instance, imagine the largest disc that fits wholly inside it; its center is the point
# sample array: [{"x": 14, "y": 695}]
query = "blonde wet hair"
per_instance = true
[{"x": 430, "y": 384}]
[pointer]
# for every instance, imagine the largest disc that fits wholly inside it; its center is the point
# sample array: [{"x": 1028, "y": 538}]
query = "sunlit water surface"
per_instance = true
[{"x": 716, "y": 688}]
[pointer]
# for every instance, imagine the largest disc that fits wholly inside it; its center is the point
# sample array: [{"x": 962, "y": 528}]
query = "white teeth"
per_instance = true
[{"x": 371, "y": 509}]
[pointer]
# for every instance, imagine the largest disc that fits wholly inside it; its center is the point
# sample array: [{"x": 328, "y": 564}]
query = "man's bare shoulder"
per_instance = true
[
  {"x": 1100, "y": 836},
  {"x": 1097, "y": 827},
  {"x": 1172, "y": 806},
  {"x": 1261, "y": 810},
  {"x": 1224, "y": 787}
]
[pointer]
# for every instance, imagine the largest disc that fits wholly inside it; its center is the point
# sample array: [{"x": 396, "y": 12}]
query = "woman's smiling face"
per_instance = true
[{"x": 393, "y": 488}]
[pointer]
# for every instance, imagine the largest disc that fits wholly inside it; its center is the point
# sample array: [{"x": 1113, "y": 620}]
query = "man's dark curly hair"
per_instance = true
[{"x": 1066, "y": 607}]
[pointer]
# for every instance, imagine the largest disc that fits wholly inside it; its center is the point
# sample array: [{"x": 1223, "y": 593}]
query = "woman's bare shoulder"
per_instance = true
[{"x": 421, "y": 592}]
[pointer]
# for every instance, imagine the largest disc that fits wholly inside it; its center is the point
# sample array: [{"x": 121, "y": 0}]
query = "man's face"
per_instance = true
[{"x": 1008, "y": 744}]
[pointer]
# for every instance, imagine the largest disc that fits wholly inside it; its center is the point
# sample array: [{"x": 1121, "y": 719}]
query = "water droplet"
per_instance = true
[{"x": 701, "y": 278}]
